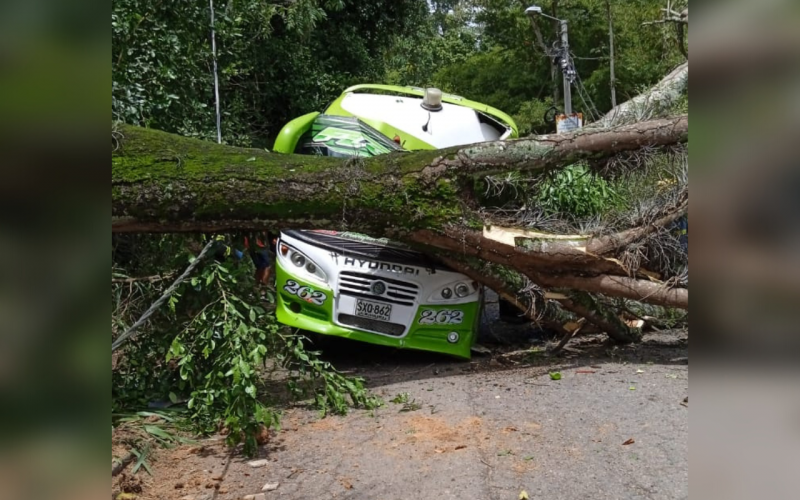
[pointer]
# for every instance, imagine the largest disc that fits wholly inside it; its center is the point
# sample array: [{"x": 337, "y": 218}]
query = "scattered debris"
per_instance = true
[
  {"x": 258, "y": 463},
  {"x": 634, "y": 323},
  {"x": 585, "y": 371},
  {"x": 632, "y": 388},
  {"x": 438, "y": 450},
  {"x": 411, "y": 406},
  {"x": 521, "y": 353},
  {"x": 480, "y": 349},
  {"x": 461, "y": 447},
  {"x": 528, "y": 458},
  {"x": 347, "y": 485},
  {"x": 629, "y": 441},
  {"x": 270, "y": 487},
  {"x": 555, "y": 375},
  {"x": 121, "y": 464},
  {"x": 523, "y": 495},
  {"x": 504, "y": 453},
  {"x": 685, "y": 402},
  {"x": 400, "y": 398}
]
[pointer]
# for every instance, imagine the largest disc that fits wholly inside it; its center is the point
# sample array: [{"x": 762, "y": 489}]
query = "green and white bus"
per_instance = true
[{"x": 374, "y": 290}]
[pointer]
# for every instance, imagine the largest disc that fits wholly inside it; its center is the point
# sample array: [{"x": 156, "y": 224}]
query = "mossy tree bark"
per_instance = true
[{"x": 165, "y": 183}]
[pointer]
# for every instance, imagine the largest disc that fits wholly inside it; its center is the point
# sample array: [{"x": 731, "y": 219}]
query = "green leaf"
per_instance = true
[
  {"x": 173, "y": 397},
  {"x": 155, "y": 414},
  {"x": 555, "y": 375},
  {"x": 158, "y": 432}
]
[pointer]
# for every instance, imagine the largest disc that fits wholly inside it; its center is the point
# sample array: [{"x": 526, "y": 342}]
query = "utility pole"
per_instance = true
[
  {"x": 613, "y": 81},
  {"x": 566, "y": 69},
  {"x": 570, "y": 121},
  {"x": 216, "y": 77}
]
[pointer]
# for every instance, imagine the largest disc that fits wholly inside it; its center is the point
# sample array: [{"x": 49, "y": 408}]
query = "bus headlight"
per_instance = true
[
  {"x": 298, "y": 259},
  {"x": 305, "y": 265},
  {"x": 454, "y": 291},
  {"x": 462, "y": 290}
]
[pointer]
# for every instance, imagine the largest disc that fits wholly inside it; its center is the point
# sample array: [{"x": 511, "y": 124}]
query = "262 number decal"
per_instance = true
[
  {"x": 305, "y": 293},
  {"x": 441, "y": 317}
]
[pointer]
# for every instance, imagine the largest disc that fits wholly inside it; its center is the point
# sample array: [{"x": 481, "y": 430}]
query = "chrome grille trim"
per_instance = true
[{"x": 397, "y": 291}]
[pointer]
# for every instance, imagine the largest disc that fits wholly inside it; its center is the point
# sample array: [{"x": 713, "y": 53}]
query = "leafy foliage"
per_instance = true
[
  {"x": 576, "y": 191},
  {"x": 212, "y": 347},
  {"x": 276, "y": 60}
]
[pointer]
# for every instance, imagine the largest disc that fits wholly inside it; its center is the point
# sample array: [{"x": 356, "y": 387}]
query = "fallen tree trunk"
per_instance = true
[
  {"x": 660, "y": 97},
  {"x": 165, "y": 183}
]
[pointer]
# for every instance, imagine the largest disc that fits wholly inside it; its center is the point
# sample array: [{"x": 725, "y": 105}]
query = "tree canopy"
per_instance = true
[{"x": 278, "y": 60}]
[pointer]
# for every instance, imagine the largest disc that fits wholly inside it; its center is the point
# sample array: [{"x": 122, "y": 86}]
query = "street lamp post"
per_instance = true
[{"x": 566, "y": 68}]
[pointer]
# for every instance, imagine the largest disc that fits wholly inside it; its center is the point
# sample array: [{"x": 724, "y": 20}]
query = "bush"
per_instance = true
[{"x": 577, "y": 191}]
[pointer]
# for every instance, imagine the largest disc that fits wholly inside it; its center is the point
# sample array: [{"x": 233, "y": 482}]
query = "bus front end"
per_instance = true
[{"x": 353, "y": 286}]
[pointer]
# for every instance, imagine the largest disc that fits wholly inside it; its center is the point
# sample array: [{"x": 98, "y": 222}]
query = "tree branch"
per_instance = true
[{"x": 618, "y": 286}]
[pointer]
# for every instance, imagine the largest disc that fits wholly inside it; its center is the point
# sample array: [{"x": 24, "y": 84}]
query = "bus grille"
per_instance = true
[
  {"x": 374, "y": 325},
  {"x": 397, "y": 291}
]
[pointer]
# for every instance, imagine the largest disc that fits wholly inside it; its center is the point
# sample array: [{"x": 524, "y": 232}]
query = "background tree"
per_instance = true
[{"x": 280, "y": 60}]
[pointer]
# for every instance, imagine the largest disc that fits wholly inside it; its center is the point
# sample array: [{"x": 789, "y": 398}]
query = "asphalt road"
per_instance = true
[{"x": 488, "y": 429}]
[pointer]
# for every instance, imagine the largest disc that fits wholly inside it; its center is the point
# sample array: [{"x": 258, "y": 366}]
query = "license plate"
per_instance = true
[{"x": 373, "y": 310}]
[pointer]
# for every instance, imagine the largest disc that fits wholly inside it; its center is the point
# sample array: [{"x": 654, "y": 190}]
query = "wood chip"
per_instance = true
[{"x": 629, "y": 441}]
